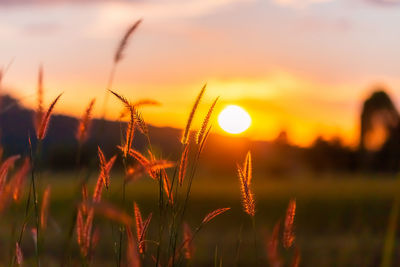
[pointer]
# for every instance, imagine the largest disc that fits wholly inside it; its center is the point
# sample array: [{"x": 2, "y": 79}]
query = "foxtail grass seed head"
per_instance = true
[
  {"x": 203, "y": 141},
  {"x": 85, "y": 199},
  {"x": 18, "y": 254},
  {"x": 98, "y": 189},
  {"x": 79, "y": 227},
  {"x": 142, "y": 240},
  {"x": 160, "y": 164},
  {"x": 185, "y": 136},
  {"x": 109, "y": 166},
  {"x": 214, "y": 214},
  {"x": 84, "y": 230},
  {"x": 95, "y": 238},
  {"x": 296, "y": 258},
  {"x": 4, "y": 168},
  {"x": 19, "y": 179},
  {"x": 39, "y": 109},
  {"x": 247, "y": 195},
  {"x": 187, "y": 241},
  {"x": 151, "y": 166},
  {"x": 104, "y": 176},
  {"x": 204, "y": 126},
  {"x": 288, "y": 233},
  {"x": 84, "y": 123},
  {"x": 138, "y": 221},
  {"x": 87, "y": 233},
  {"x": 41, "y": 133},
  {"x": 245, "y": 182},
  {"x": 272, "y": 246},
  {"x": 45, "y": 207},
  {"x": 103, "y": 163},
  {"x": 146, "y": 102},
  {"x": 248, "y": 172},
  {"x": 137, "y": 155},
  {"x": 167, "y": 186},
  {"x": 140, "y": 123},
  {"x": 7, "y": 187},
  {"x": 131, "y": 125},
  {"x": 103, "y": 179},
  {"x": 152, "y": 169},
  {"x": 132, "y": 255},
  {"x": 119, "y": 53},
  {"x": 138, "y": 104},
  {"x": 183, "y": 164},
  {"x": 141, "y": 227}
]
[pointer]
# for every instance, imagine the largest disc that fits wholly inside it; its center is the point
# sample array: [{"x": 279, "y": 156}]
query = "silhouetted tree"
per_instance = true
[{"x": 379, "y": 112}]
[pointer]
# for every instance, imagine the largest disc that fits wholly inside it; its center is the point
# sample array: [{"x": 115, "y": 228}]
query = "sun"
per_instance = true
[{"x": 234, "y": 119}]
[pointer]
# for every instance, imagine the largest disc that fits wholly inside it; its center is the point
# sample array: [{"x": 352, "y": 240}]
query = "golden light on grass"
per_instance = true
[
  {"x": 162, "y": 246},
  {"x": 234, "y": 119}
]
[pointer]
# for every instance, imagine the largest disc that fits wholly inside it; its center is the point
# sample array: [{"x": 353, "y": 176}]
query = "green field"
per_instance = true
[{"x": 341, "y": 220}]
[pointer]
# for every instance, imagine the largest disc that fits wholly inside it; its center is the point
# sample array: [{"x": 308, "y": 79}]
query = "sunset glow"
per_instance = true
[{"x": 280, "y": 72}]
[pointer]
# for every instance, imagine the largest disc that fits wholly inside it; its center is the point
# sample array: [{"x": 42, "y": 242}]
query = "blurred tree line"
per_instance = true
[{"x": 378, "y": 149}]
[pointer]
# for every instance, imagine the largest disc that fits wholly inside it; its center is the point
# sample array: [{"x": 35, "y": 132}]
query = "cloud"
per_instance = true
[
  {"x": 113, "y": 16},
  {"x": 43, "y": 28},
  {"x": 53, "y": 2},
  {"x": 298, "y": 3},
  {"x": 304, "y": 3},
  {"x": 100, "y": 18},
  {"x": 319, "y": 24},
  {"x": 183, "y": 3},
  {"x": 384, "y": 3},
  {"x": 174, "y": 8}
]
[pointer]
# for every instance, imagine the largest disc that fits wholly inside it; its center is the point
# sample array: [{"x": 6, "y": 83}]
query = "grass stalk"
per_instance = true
[
  {"x": 122, "y": 227},
  {"x": 239, "y": 245},
  {"x": 34, "y": 165},
  {"x": 253, "y": 222},
  {"x": 184, "y": 207},
  {"x": 387, "y": 253}
]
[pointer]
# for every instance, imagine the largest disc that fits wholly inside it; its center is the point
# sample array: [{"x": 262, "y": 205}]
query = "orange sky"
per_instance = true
[{"x": 299, "y": 65}]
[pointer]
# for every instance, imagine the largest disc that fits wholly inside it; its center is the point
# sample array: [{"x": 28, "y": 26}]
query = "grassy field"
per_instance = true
[{"x": 341, "y": 219}]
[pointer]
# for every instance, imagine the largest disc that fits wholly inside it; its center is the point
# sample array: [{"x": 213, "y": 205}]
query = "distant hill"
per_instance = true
[
  {"x": 60, "y": 145},
  {"x": 220, "y": 155}
]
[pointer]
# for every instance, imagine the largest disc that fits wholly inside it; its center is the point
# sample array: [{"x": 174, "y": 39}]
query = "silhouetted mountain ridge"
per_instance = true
[
  {"x": 220, "y": 155},
  {"x": 60, "y": 145}
]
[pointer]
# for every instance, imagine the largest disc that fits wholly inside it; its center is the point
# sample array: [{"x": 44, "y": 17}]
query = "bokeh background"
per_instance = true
[{"x": 319, "y": 78}]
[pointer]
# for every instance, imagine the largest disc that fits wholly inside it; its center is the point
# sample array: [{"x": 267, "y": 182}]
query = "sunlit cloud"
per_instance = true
[
  {"x": 43, "y": 28},
  {"x": 306, "y": 3},
  {"x": 111, "y": 15},
  {"x": 299, "y": 3},
  {"x": 101, "y": 18},
  {"x": 319, "y": 24},
  {"x": 386, "y": 3},
  {"x": 173, "y": 7},
  {"x": 54, "y": 2}
]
